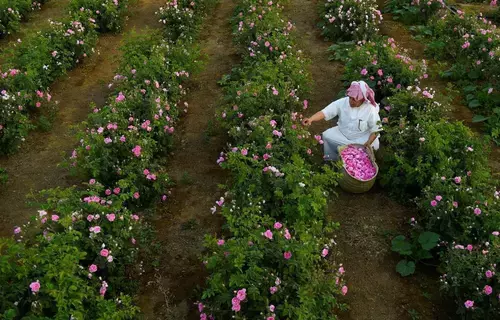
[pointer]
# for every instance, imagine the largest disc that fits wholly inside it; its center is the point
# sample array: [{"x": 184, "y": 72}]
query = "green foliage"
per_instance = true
[
  {"x": 420, "y": 148},
  {"x": 12, "y": 12},
  {"x": 471, "y": 45},
  {"x": 417, "y": 248},
  {"x": 413, "y": 11},
  {"x": 349, "y": 20},
  {"x": 108, "y": 15},
  {"x": 3, "y": 176},
  {"x": 383, "y": 65},
  {"x": 275, "y": 183},
  {"x": 295, "y": 286},
  {"x": 469, "y": 275}
]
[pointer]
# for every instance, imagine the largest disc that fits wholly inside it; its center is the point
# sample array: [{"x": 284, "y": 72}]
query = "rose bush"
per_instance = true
[
  {"x": 271, "y": 264},
  {"x": 414, "y": 11},
  {"x": 349, "y": 19},
  {"x": 13, "y": 12},
  {"x": 382, "y": 64}
]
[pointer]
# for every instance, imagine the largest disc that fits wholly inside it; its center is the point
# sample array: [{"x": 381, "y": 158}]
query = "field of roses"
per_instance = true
[
  {"x": 436, "y": 163},
  {"x": 277, "y": 258},
  {"x": 13, "y": 12},
  {"x": 32, "y": 65},
  {"x": 76, "y": 258}
]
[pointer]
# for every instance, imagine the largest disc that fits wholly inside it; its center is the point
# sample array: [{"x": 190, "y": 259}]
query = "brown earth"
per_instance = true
[
  {"x": 35, "y": 166},
  {"x": 169, "y": 291}
]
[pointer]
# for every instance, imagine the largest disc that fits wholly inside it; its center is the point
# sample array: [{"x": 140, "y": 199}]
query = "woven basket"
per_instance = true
[{"x": 349, "y": 183}]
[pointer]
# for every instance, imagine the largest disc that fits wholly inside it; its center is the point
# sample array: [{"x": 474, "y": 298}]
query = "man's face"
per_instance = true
[{"x": 355, "y": 103}]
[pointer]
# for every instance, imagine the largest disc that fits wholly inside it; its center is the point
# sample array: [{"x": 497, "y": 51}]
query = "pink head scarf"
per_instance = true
[{"x": 359, "y": 90}]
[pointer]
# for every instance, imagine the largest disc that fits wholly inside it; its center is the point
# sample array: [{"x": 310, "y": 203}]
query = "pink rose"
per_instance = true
[
  {"x": 487, "y": 290},
  {"x": 242, "y": 294},
  {"x": 55, "y": 217},
  {"x": 344, "y": 290},
  {"x": 35, "y": 286},
  {"x": 93, "y": 268},
  {"x": 287, "y": 255},
  {"x": 277, "y": 225},
  {"x": 324, "y": 253},
  {"x": 104, "y": 252},
  {"x": 469, "y": 304},
  {"x": 268, "y": 234},
  {"x": 220, "y": 242}
]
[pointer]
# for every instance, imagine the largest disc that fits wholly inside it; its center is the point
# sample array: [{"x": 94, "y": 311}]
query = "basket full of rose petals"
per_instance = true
[{"x": 359, "y": 168}]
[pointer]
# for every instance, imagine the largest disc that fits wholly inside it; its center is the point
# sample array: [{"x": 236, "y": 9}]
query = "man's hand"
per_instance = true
[{"x": 307, "y": 121}]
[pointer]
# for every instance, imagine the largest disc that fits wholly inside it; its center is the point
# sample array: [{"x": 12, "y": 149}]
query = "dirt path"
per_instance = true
[
  {"x": 35, "y": 167},
  {"x": 376, "y": 291},
  {"x": 37, "y": 20},
  {"x": 182, "y": 223}
]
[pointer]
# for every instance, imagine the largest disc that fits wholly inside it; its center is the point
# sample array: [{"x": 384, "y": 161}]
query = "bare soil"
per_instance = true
[
  {"x": 35, "y": 166},
  {"x": 169, "y": 292}
]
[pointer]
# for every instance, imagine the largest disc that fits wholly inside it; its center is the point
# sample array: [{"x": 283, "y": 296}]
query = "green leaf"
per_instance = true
[
  {"x": 428, "y": 240},
  {"x": 469, "y": 88},
  {"x": 401, "y": 246},
  {"x": 479, "y": 118},
  {"x": 474, "y": 103},
  {"x": 405, "y": 268}
]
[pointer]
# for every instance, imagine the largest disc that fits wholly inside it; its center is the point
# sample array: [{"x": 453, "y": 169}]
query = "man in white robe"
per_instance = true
[{"x": 359, "y": 120}]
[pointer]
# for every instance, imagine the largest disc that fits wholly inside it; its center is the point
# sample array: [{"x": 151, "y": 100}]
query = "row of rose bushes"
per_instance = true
[
  {"x": 76, "y": 259},
  {"x": 31, "y": 66},
  {"x": 275, "y": 260},
  {"x": 13, "y": 12},
  {"x": 469, "y": 44},
  {"x": 439, "y": 165}
]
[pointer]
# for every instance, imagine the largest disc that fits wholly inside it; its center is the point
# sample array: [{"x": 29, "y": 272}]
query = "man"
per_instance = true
[{"x": 358, "y": 120}]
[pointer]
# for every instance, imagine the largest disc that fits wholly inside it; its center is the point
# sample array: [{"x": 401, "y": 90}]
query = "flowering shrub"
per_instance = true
[
  {"x": 268, "y": 268},
  {"x": 73, "y": 260},
  {"x": 349, "y": 19},
  {"x": 273, "y": 272},
  {"x": 180, "y": 19},
  {"x": 471, "y": 277},
  {"x": 414, "y": 11},
  {"x": 77, "y": 239},
  {"x": 470, "y": 44},
  {"x": 108, "y": 15},
  {"x": 383, "y": 65},
  {"x": 12, "y": 12}
]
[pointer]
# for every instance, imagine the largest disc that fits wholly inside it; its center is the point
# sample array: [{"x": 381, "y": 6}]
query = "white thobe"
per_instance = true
[{"x": 355, "y": 125}]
